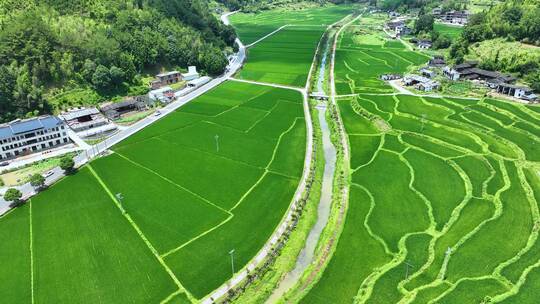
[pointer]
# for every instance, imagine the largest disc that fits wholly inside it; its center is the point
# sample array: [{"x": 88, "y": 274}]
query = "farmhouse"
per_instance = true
[
  {"x": 521, "y": 92},
  {"x": 421, "y": 83},
  {"x": 437, "y": 61},
  {"x": 427, "y": 73},
  {"x": 166, "y": 79},
  {"x": 191, "y": 74},
  {"x": 164, "y": 95},
  {"x": 424, "y": 44},
  {"x": 398, "y": 27},
  {"x": 87, "y": 121},
  {"x": 453, "y": 17},
  {"x": 387, "y": 77},
  {"x": 23, "y": 137},
  {"x": 115, "y": 110},
  {"x": 468, "y": 70}
]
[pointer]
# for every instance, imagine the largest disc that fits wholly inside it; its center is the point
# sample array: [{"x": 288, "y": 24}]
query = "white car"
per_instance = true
[
  {"x": 157, "y": 113},
  {"x": 48, "y": 173}
]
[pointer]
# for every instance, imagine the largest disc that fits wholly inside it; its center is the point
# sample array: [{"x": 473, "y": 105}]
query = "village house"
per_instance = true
[
  {"x": 116, "y": 109},
  {"x": 166, "y": 79},
  {"x": 427, "y": 73},
  {"x": 398, "y": 27},
  {"x": 521, "y": 92},
  {"x": 424, "y": 44},
  {"x": 452, "y": 17},
  {"x": 23, "y": 137},
  {"x": 191, "y": 74},
  {"x": 437, "y": 61},
  {"x": 87, "y": 122},
  {"x": 468, "y": 70},
  {"x": 421, "y": 83},
  {"x": 163, "y": 95},
  {"x": 387, "y": 77}
]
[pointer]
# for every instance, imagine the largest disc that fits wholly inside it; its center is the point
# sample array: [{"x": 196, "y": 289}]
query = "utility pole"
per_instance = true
[
  {"x": 217, "y": 142},
  {"x": 231, "y": 253},
  {"x": 407, "y": 265}
]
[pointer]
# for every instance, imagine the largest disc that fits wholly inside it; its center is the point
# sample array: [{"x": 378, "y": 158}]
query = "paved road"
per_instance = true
[{"x": 93, "y": 151}]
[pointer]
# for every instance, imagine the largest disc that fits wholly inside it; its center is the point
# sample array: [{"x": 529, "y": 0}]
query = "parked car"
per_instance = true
[
  {"x": 48, "y": 173},
  {"x": 3, "y": 164}
]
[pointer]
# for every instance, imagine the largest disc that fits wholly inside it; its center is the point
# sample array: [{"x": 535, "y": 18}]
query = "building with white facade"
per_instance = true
[
  {"x": 191, "y": 73},
  {"x": 23, "y": 137}
]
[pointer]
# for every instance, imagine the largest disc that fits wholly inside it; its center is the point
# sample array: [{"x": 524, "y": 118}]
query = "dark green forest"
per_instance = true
[{"x": 48, "y": 46}]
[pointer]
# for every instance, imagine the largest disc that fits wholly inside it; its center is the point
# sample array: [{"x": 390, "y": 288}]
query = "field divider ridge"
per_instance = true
[
  {"x": 140, "y": 233},
  {"x": 267, "y": 35}
]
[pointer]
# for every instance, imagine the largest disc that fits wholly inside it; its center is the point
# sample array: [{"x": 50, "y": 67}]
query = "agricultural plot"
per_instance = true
[
  {"x": 251, "y": 27},
  {"x": 283, "y": 58},
  {"x": 451, "y": 30},
  {"x": 157, "y": 218},
  {"x": 286, "y": 56},
  {"x": 442, "y": 213},
  {"x": 363, "y": 56}
]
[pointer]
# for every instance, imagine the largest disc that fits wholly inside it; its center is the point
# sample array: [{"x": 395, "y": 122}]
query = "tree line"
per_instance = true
[{"x": 101, "y": 44}]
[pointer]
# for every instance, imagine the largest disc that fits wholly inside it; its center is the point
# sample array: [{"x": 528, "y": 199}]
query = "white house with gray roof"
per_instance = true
[{"x": 23, "y": 137}]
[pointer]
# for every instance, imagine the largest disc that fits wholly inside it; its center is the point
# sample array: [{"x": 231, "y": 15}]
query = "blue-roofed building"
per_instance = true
[{"x": 23, "y": 137}]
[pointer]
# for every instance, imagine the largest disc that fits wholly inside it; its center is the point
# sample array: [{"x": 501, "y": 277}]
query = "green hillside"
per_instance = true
[{"x": 99, "y": 47}]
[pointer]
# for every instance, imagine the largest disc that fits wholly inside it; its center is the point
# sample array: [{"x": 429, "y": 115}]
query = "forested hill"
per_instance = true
[{"x": 100, "y": 45}]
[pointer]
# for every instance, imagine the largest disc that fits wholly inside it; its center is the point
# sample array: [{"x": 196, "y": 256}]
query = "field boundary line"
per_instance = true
[
  {"x": 171, "y": 296},
  {"x": 171, "y": 182},
  {"x": 139, "y": 232},
  {"x": 267, "y": 35},
  {"x": 31, "y": 252},
  {"x": 269, "y": 84},
  {"x": 174, "y": 250}
]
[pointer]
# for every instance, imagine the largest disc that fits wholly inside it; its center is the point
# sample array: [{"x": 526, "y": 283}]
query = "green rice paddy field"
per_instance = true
[
  {"x": 286, "y": 56},
  {"x": 185, "y": 204},
  {"x": 444, "y": 201},
  {"x": 451, "y": 30},
  {"x": 362, "y": 57}
]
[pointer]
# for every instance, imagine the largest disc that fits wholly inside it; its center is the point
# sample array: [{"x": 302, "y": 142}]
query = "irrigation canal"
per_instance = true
[{"x": 306, "y": 256}]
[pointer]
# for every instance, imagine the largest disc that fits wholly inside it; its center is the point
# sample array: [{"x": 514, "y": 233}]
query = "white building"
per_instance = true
[
  {"x": 164, "y": 95},
  {"x": 23, "y": 137},
  {"x": 191, "y": 74},
  {"x": 197, "y": 83}
]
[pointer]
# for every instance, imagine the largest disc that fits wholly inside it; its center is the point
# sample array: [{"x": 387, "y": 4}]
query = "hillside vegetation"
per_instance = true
[{"x": 48, "y": 46}]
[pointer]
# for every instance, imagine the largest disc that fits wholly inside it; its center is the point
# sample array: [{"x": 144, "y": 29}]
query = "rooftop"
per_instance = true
[
  {"x": 22, "y": 126},
  {"x": 167, "y": 73},
  {"x": 76, "y": 113}
]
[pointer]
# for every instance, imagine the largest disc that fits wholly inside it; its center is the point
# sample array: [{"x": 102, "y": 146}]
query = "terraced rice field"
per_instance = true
[
  {"x": 218, "y": 174},
  {"x": 363, "y": 56},
  {"x": 444, "y": 203},
  {"x": 286, "y": 56}
]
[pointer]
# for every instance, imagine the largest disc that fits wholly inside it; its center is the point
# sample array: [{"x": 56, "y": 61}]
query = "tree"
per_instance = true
[
  {"x": 37, "y": 181},
  {"x": 67, "y": 164},
  {"x": 12, "y": 195},
  {"x": 424, "y": 23},
  {"x": 101, "y": 78},
  {"x": 117, "y": 75}
]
